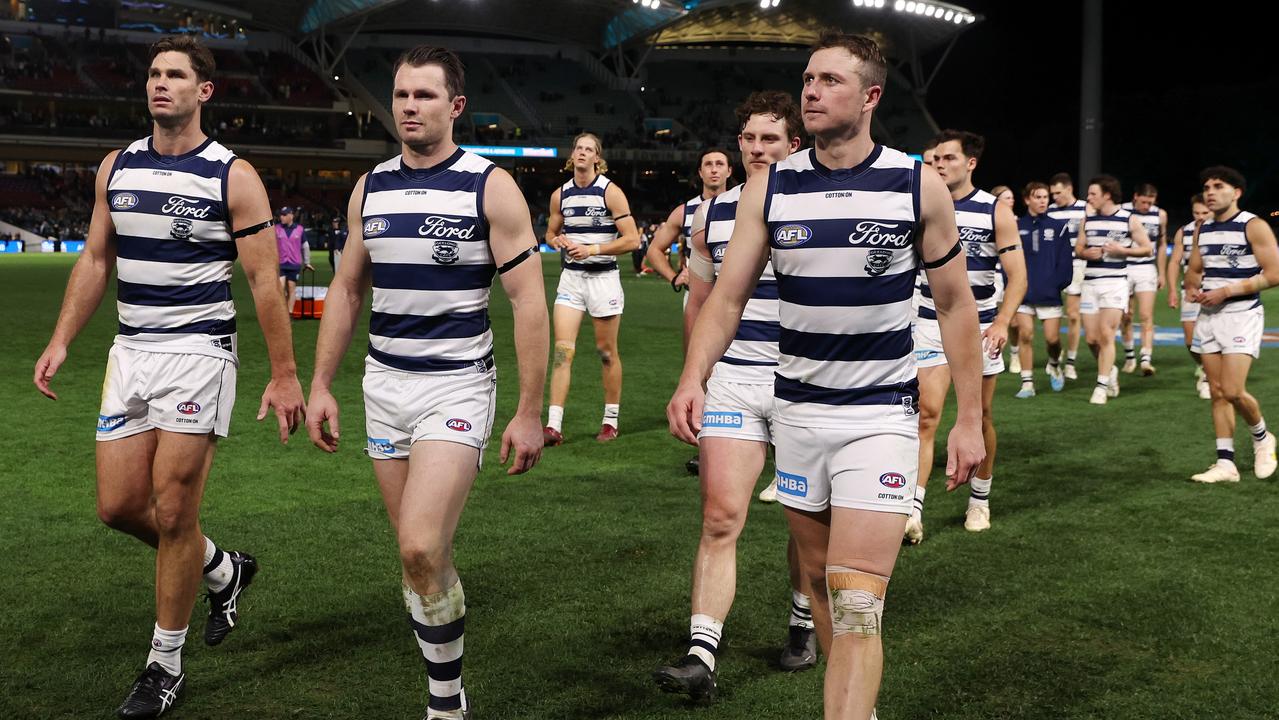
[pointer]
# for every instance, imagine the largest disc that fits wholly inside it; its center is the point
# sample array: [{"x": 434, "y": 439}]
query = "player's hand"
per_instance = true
[
  {"x": 1213, "y": 298},
  {"x": 993, "y": 339},
  {"x": 1092, "y": 253},
  {"x": 322, "y": 408},
  {"x": 558, "y": 242},
  {"x": 1172, "y": 298},
  {"x": 525, "y": 435},
  {"x": 285, "y": 395},
  {"x": 965, "y": 450},
  {"x": 1160, "y": 283},
  {"x": 684, "y": 411},
  {"x": 47, "y": 366},
  {"x": 679, "y": 283},
  {"x": 1114, "y": 248},
  {"x": 578, "y": 251},
  {"x": 310, "y": 267}
]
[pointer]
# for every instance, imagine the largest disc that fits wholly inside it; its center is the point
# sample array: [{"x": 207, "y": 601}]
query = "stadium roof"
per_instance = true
[{"x": 904, "y": 26}]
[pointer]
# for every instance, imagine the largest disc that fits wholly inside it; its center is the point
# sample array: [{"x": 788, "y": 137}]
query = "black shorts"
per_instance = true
[{"x": 290, "y": 272}]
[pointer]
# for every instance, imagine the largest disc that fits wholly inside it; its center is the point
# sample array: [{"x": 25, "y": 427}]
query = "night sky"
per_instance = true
[{"x": 1181, "y": 91}]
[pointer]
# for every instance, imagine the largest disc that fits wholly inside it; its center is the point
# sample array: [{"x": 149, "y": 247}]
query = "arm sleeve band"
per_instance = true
[
  {"x": 252, "y": 229},
  {"x": 515, "y": 261},
  {"x": 944, "y": 259},
  {"x": 621, "y": 217},
  {"x": 1010, "y": 248}
]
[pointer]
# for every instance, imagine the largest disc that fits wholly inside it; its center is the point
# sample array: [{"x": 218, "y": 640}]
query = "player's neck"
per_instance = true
[
  {"x": 178, "y": 139},
  {"x": 963, "y": 190},
  {"x": 1110, "y": 207},
  {"x": 583, "y": 178},
  {"x": 845, "y": 150},
  {"x": 709, "y": 192},
  {"x": 1224, "y": 215},
  {"x": 420, "y": 157},
  {"x": 1070, "y": 200}
]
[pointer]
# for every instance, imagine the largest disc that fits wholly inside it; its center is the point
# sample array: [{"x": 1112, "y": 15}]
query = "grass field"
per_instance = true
[{"x": 1109, "y": 586}]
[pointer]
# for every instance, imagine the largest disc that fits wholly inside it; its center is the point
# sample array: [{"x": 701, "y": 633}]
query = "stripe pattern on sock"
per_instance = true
[{"x": 439, "y": 622}]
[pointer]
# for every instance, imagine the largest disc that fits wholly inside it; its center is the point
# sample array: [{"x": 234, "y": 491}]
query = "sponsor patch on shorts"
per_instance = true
[
  {"x": 892, "y": 480},
  {"x": 458, "y": 424},
  {"x": 714, "y": 419},
  {"x": 794, "y": 485},
  {"x": 107, "y": 423},
  {"x": 922, "y": 355},
  {"x": 381, "y": 445}
]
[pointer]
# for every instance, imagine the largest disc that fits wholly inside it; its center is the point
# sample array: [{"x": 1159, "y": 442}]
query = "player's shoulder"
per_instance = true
[
  {"x": 469, "y": 162},
  {"x": 800, "y": 160},
  {"x": 890, "y": 157},
  {"x": 981, "y": 197},
  {"x": 386, "y": 166}
]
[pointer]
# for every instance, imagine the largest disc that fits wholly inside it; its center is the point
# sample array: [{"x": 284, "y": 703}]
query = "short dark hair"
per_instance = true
[
  {"x": 1228, "y": 175},
  {"x": 1197, "y": 199},
  {"x": 1032, "y": 187},
  {"x": 776, "y": 103},
  {"x": 1145, "y": 189},
  {"x": 201, "y": 57},
  {"x": 712, "y": 151},
  {"x": 1109, "y": 185},
  {"x": 873, "y": 69},
  {"x": 1061, "y": 178},
  {"x": 449, "y": 62},
  {"x": 972, "y": 144}
]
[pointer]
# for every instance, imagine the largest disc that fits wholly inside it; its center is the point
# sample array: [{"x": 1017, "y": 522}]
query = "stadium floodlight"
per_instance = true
[
  {"x": 899, "y": 5},
  {"x": 919, "y": 8},
  {"x": 929, "y": 10},
  {"x": 949, "y": 14},
  {"x": 972, "y": 19},
  {"x": 910, "y": 5},
  {"x": 879, "y": 3},
  {"x": 857, "y": 3},
  {"x": 776, "y": 3}
]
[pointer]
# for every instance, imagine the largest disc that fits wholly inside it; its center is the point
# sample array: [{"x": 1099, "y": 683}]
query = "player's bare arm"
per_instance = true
[
  {"x": 957, "y": 319},
  {"x": 1194, "y": 270},
  {"x": 1161, "y": 246},
  {"x": 1174, "y": 266},
  {"x": 87, "y": 284},
  {"x": 1081, "y": 244},
  {"x": 628, "y": 238},
  {"x": 1013, "y": 260},
  {"x": 341, "y": 311},
  {"x": 722, "y": 312},
  {"x": 701, "y": 273},
  {"x": 555, "y": 223},
  {"x": 1262, "y": 240},
  {"x": 659, "y": 246},
  {"x": 249, "y": 207},
  {"x": 515, "y": 252}
]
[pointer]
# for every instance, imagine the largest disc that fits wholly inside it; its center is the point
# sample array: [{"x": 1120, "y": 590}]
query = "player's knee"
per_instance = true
[
  {"x": 856, "y": 601},
  {"x": 173, "y": 517},
  {"x": 564, "y": 352},
  {"x": 721, "y": 523},
  {"x": 607, "y": 353},
  {"x": 1229, "y": 392},
  {"x": 422, "y": 560},
  {"x": 122, "y": 514}
]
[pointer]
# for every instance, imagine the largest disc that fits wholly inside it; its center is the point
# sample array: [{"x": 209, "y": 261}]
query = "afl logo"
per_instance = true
[
  {"x": 375, "y": 226},
  {"x": 892, "y": 480},
  {"x": 718, "y": 254},
  {"x": 458, "y": 424},
  {"x": 444, "y": 252},
  {"x": 792, "y": 235},
  {"x": 189, "y": 408},
  {"x": 124, "y": 201}
]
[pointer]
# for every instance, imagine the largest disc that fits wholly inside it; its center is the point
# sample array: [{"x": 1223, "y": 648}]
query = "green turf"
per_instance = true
[{"x": 1109, "y": 586}]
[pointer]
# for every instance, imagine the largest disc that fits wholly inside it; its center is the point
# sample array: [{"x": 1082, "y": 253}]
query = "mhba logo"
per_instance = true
[
  {"x": 458, "y": 424},
  {"x": 792, "y": 235},
  {"x": 189, "y": 407},
  {"x": 892, "y": 480},
  {"x": 796, "y": 485}
]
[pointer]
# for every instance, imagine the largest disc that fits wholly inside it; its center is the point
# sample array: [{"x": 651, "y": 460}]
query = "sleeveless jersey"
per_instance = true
[
  {"x": 174, "y": 249},
  {"x": 1150, "y": 220},
  {"x": 1187, "y": 243},
  {"x": 1101, "y": 229},
  {"x": 588, "y": 221},
  {"x": 1073, "y": 215},
  {"x": 975, "y": 216},
  {"x": 844, "y": 254},
  {"x": 1227, "y": 258},
  {"x": 752, "y": 356},
  {"x": 432, "y": 268}
]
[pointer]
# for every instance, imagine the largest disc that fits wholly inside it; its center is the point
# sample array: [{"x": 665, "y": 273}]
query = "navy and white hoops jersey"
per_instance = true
[
  {"x": 1073, "y": 215},
  {"x": 975, "y": 216},
  {"x": 1227, "y": 258},
  {"x": 1101, "y": 229},
  {"x": 844, "y": 254},
  {"x": 752, "y": 356},
  {"x": 1187, "y": 243},
  {"x": 588, "y": 221},
  {"x": 174, "y": 249},
  {"x": 690, "y": 209},
  {"x": 432, "y": 268},
  {"x": 1149, "y": 220}
]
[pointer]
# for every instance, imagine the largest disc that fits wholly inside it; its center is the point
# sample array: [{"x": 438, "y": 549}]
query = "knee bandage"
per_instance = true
[
  {"x": 856, "y": 601},
  {"x": 564, "y": 352}
]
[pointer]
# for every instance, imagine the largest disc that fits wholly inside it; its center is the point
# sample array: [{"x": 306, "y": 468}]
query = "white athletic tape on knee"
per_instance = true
[{"x": 856, "y": 601}]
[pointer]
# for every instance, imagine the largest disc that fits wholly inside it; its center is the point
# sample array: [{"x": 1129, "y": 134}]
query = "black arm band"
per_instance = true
[
  {"x": 510, "y": 264},
  {"x": 1010, "y": 248},
  {"x": 252, "y": 229},
  {"x": 621, "y": 217},
  {"x": 945, "y": 259}
]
